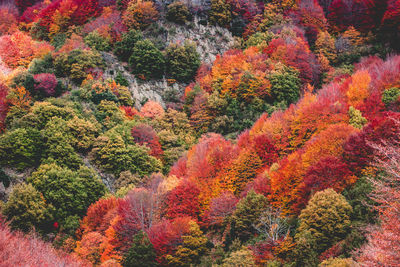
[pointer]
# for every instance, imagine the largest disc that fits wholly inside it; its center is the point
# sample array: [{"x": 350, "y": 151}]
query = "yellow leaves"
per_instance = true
[
  {"x": 20, "y": 97},
  {"x": 358, "y": 89}
]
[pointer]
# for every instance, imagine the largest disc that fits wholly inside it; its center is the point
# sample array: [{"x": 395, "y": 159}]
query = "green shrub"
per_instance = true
[
  {"x": 182, "y": 62},
  {"x": 98, "y": 42},
  {"x": 178, "y": 12},
  {"x": 124, "y": 48},
  {"x": 147, "y": 61}
]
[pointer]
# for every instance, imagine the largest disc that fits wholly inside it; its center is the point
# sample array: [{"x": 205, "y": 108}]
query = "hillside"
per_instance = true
[{"x": 199, "y": 133}]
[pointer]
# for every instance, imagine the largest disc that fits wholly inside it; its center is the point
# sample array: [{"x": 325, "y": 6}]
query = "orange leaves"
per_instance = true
[
  {"x": 152, "y": 109},
  {"x": 19, "y": 49},
  {"x": 358, "y": 89},
  {"x": 139, "y": 14},
  {"x": 20, "y": 97}
]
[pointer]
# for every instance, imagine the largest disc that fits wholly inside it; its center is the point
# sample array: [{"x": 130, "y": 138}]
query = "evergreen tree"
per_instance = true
[{"x": 141, "y": 253}]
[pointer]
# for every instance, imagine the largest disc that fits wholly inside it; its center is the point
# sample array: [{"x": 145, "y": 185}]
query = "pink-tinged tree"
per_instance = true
[
  {"x": 144, "y": 134},
  {"x": 16, "y": 249},
  {"x": 384, "y": 240},
  {"x": 137, "y": 212},
  {"x": 183, "y": 201},
  {"x": 46, "y": 84},
  {"x": 220, "y": 207},
  {"x": 152, "y": 109}
]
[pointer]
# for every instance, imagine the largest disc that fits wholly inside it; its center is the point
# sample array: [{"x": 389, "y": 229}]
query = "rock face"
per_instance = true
[{"x": 210, "y": 41}]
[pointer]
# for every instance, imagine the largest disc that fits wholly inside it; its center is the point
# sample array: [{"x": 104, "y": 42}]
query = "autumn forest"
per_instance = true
[{"x": 200, "y": 133}]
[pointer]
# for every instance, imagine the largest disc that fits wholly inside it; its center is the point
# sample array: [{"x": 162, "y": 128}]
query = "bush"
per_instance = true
[
  {"x": 285, "y": 85},
  {"x": 26, "y": 209},
  {"x": 182, "y": 62},
  {"x": 147, "y": 61},
  {"x": 98, "y": 42},
  {"x": 46, "y": 85},
  {"x": 390, "y": 96},
  {"x": 21, "y": 148},
  {"x": 139, "y": 14},
  {"x": 70, "y": 191},
  {"x": 220, "y": 13},
  {"x": 124, "y": 48},
  {"x": 178, "y": 12},
  {"x": 77, "y": 64},
  {"x": 326, "y": 218}
]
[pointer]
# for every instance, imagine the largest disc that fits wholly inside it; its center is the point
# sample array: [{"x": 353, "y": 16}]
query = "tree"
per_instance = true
[
  {"x": 146, "y": 60},
  {"x": 46, "y": 85},
  {"x": 248, "y": 211},
  {"x": 182, "y": 62},
  {"x": 192, "y": 248},
  {"x": 178, "y": 12},
  {"x": 24, "y": 250},
  {"x": 240, "y": 258},
  {"x": 325, "y": 44},
  {"x": 383, "y": 240},
  {"x": 3, "y": 105},
  {"x": 144, "y": 134},
  {"x": 141, "y": 253},
  {"x": 98, "y": 42},
  {"x": 285, "y": 85},
  {"x": 152, "y": 109},
  {"x": 220, "y": 13},
  {"x": 90, "y": 247},
  {"x": 326, "y": 217},
  {"x": 220, "y": 208},
  {"x": 26, "y": 209},
  {"x": 183, "y": 201},
  {"x": 124, "y": 48},
  {"x": 70, "y": 192},
  {"x": 21, "y": 148},
  {"x": 139, "y": 14}
]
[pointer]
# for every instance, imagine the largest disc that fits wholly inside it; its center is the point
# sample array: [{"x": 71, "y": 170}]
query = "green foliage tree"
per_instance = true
[
  {"x": 390, "y": 95},
  {"x": 98, "y": 42},
  {"x": 26, "y": 209},
  {"x": 58, "y": 148},
  {"x": 178, "y": 12},
  {"x": 285, "y": 85},
  {"x": 182, "y": 62},
  {"x": 146, "y": 60},
  {"x": 192, "y": 248},
  {"x": 124, "y": 48},
  {"x": 76, "y": 64},
  {"x": 248, "y": 211},
  {"x": 20, "y": 148},
  {"x": 112, "y": 154},
  {"x": 356, "y": 118},
  {"x": 70, "y": 192},
  {"x": 220, "y": 13},
  {"x": 326, "y": 217},
  {"x": 141, "y": 253}
]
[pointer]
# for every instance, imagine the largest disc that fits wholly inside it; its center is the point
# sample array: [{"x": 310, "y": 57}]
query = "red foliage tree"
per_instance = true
[
  {"x": 144, "y": 134},
  {"x": 46, "y": 84},
  {"x": 359, "y": 14},
  {"x": 100, "y": 214},
  {"x": 24, "y": 4},
  {"x": 220, "y": 208},
  {"x": 183, "y": 201}
]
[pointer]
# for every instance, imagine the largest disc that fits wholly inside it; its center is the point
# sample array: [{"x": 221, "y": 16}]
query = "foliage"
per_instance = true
[
  {"x": 70, "y": 192},
  {"x": 141, "y": 252},
  {"x": 178, "y": 12},
  {"x": 26, "y": 209},
  {"x": 242, "y": 257},
  {"x": 182, "y": 201},
  {"x": 98, "y": 42},
  {"x": 248, "y": 211},
  {"x": 124, "y": 48},
  {"x": 332, "y": 222},
  {"x": 146, "y": 60},
  {"x": 77, "y": 64},
  {"x": 285, "y": 85},
  {"x": 220, "y": 13},
  {"x": 21, "y": 148},
  {"x": 139, "y": 14},
  {"x": 182, "y": 62}
]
